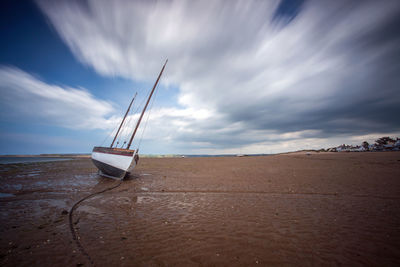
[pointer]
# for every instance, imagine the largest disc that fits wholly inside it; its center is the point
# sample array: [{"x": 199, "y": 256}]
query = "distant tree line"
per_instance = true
[{"x": 385, "y": 143}]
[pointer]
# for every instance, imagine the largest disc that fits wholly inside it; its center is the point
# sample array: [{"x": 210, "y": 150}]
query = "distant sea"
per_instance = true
[{"x": 13, "y": 160}]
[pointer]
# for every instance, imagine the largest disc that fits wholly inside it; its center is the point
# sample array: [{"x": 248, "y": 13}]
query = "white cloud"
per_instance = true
[
  {"x": 244, "y": 79},
  {"x": 28, "y": 97}
]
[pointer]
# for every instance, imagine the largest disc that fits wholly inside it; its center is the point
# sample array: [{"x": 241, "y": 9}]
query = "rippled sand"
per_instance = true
[{"x": 295, "y": 209}]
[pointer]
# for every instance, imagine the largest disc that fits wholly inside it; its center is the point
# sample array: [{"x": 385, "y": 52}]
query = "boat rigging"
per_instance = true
[{"x": 116, "y": 162}]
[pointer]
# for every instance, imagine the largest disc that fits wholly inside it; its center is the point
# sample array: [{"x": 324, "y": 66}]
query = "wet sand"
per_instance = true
[{"x": 293, "y": 209}]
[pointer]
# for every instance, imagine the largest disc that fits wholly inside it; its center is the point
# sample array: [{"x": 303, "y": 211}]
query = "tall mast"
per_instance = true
[
  {"x": 147, "y": 103},
  {"x": 122, "y": 122}
]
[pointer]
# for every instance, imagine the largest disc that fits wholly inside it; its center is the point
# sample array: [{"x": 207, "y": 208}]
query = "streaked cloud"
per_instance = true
[
  {"x": 27, "y": 97},
  {"x": 263, "y": 72}
]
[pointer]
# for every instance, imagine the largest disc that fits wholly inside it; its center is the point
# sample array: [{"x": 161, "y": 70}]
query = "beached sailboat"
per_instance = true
[{"x": 116, "y": 162}]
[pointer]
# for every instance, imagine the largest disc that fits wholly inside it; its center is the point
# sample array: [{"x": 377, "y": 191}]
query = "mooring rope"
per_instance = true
[{"x": 74, "y": 232}]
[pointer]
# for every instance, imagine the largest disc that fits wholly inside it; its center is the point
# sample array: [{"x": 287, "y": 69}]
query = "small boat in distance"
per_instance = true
[{"x": 116, "y": 162}]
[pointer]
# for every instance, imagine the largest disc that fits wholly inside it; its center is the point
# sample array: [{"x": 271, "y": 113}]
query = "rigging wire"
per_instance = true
[
  {"x": 126, "y": 128},
  {"x": 123, "y": 133},
  {"x": 139, "y": 107},
  {"x": 105, "y": 139},
  {"x": 142, "y": 103},
  {"x": 119, "y": 134},
  {"x": 147, "y": 119},
  {"x": 123, "y": 130}
]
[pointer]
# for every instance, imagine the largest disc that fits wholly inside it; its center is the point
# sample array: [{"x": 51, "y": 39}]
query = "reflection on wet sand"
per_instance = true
[{"x": 286, "y": 209}]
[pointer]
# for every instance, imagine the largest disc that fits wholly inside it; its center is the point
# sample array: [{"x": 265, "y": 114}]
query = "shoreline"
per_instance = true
[
  {"x": 47, "y": 156},
  {"x": 191, "y": 155}
]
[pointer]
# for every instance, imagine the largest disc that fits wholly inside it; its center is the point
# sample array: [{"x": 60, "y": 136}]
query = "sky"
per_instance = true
[{"x": 242, "y": 76}]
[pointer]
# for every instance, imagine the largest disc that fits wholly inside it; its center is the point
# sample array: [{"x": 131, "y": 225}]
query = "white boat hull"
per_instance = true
[
  {"x": 117, "y": 161},
  {"x": 112, "y": 162}
]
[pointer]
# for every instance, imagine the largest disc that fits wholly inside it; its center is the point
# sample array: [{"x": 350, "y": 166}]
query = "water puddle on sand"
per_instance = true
[
  {"x": 87, "y": 176},
  {"x": 8, "y": 187},
  {"x": 145, "y": 199},
  {"x": 67, "y": 184},
  {"x": 113, "y": 200},
  {"x": 90, "y": 210},
  {"x": 17, "y": 186},
  {"x": 32, "y": 173},
  {"x": 123, "y": 200},
  {"x": 6, "y": 195},
  {"x": 57, "y": 203},
  {"x": 41, "y": 183},
  {"x": 90, "y": 179}
]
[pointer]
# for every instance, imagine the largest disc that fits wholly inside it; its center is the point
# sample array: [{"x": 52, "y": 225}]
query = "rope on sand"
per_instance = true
[{"x": 74, "y": 232}]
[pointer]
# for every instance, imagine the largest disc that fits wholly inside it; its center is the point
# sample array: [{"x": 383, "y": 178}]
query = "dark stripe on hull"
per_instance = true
[
  {"x": 115, "y": 151},
  {"x": 109, "y": 170}
]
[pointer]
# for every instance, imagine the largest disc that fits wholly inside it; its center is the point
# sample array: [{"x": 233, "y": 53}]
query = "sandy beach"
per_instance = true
[{"x": 291, "y": 209}]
